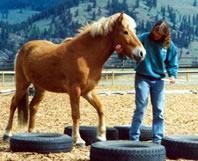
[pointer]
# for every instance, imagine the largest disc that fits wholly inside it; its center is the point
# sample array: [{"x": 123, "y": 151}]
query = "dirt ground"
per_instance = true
[{"x": 181, "y": 117}]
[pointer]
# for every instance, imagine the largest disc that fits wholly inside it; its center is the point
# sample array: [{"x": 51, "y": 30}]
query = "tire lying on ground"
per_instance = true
[
  {"x": 41, "y": 142},
  {"x": 123, "y": 150},
  {"x": 181, "y": 146},
  {"x": 146, "y": 132},
  {"x": 88, "y": 133}
]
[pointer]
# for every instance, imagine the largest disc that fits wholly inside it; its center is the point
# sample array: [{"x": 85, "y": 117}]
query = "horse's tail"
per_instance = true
[{"x": 23, "y": 108}]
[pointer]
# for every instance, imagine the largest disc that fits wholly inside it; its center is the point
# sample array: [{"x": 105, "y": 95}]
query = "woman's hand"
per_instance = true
[
  {"x": 118, "y": 48},
  {"x": 172, "y": 80}
]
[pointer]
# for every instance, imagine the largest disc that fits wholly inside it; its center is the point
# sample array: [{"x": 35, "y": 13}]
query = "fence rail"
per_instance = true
[
  {"x": 184, "y": 62},
  {"x": 108, "y": 77},
  {"x": 187, "y": 76}
]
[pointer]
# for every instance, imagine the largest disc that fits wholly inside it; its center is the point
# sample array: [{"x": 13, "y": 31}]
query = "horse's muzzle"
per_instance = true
[{"x": 139, "y": 54}]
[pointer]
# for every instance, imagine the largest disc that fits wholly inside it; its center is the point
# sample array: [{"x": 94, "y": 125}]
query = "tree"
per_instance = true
[
  {"x": 155, "y": 3},
  {"x": 21, "y": 10},
  {"x": 89, "y": 7},
  {"x": 148, "y": 25},
  {"x": 76, "y": 13},
  {"x": 140, "y": 27},
  {"x": 196, "y": 30},
  {"x": 4, "y": 33},
  {"x": 94, "y": 3},
  {"x": 173, "y": 17},
  {"x": 163, "y": 11},
  {"x": 149, "y": 3},
  {"x": 137, "y": 4},
  {"x": 156, "y": 18},
  {"x": 99, "y": 11},
  {"x": 108, "y": 4},
  {"x": 94, "y": 15},
  {"x": 132, "y": 13},
  {"x": 35, "y": 33},
  {"x": 195, "y": 3},
  {"x": 115, "y": 6},
  {"x": 124, "y": 5},
  {"x": 76, "y": 2}
]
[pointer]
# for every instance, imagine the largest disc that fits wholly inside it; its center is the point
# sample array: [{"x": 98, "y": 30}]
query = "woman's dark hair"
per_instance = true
[{"x": 162, "y": 28}]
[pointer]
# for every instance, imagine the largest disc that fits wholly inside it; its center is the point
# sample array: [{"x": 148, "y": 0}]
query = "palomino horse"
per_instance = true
[{"x": 72, "y": 67}]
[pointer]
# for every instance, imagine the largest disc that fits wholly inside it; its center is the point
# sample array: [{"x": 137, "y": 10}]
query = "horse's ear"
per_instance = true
[{"x": 121, "y": 16}]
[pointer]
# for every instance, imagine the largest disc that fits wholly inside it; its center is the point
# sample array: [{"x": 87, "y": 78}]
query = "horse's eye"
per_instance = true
[{"x": 125, "y": 32}]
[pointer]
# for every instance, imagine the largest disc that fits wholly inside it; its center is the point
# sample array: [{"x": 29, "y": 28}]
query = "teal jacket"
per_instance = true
[{"x": 157, "y": 59}]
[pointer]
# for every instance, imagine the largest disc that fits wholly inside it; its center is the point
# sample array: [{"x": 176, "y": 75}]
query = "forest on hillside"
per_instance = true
[
  {"x": 183, "y": 27},
  {"x": 38, "y": 5}
]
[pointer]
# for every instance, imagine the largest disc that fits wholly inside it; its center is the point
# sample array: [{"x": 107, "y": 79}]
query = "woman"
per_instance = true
[{"x": 161, "y": 55}]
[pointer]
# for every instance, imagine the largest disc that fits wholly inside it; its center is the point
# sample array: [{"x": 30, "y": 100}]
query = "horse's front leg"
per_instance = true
[
  {"x": 75, "y": 101},
  {"x": 94, "y": 101}
]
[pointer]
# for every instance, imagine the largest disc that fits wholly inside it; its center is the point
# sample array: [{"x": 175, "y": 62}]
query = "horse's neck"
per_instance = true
[{"x": 98, "y": 49}]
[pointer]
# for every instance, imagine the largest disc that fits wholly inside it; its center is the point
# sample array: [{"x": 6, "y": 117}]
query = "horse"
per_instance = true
[{"x": 73, "y": 67}]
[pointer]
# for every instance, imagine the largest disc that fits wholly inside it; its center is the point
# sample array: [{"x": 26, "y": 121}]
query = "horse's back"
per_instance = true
[
  {"x": 35, "y": 50},
  {"x": 38, "y": 61},
  {"x": 37, "y": 45}
]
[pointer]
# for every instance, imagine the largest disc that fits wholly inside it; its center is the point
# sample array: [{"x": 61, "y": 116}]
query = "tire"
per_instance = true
[
  {"x": 123, "y": 150},
  {"x": 41, "y": 143},
  {"x": 181, "y": 146},
  {"x": 88, "y": 133},
  {"x": 146, "y": 132},
  {"x": 123, "y": 131}
]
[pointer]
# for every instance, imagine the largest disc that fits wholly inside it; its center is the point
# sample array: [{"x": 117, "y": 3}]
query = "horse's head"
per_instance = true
[{"x": 125, "y": 37}]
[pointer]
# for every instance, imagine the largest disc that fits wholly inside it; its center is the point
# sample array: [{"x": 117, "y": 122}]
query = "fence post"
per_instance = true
[
  {"x": 13, "y": 79},
  {"x": 187, "y": 76},
  {"x": 112, "y": 78},
  {"x": 3, "y": 77},
  {"x": 106, "y": 76}
]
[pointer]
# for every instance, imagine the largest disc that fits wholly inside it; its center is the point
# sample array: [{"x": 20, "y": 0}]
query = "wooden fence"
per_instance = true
[
  {"x": 183, "y": 76},
  {"x": 7, "y": 77}
]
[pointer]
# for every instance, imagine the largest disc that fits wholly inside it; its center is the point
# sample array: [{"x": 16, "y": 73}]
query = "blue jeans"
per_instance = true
[{"x": 143, "y": 87}]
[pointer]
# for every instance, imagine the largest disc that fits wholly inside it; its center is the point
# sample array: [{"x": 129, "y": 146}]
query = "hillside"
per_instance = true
[
  {"x": 18, "y": 15},
  {"x": 37, "y": 5},
  {"x": 63, "y": 21},
  {"x": 18, "y": 11}
]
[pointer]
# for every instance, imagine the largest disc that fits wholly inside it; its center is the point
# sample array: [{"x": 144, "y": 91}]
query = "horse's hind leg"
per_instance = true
[
  {"x": 34, "y": 104},
  {"x": 74, "y": 94},
  {"x": 94, "y": 101},
  {"x": 21, "y": 89}
]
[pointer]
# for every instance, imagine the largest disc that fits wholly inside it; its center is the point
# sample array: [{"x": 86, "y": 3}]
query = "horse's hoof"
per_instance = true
[
  {"x": 6, "y": 138},
  {"x": 82, "y": 145},
  {"x": 101, "y": 138}
]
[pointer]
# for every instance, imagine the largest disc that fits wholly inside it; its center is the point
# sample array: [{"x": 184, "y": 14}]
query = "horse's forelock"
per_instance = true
[{"x": 129, "y": 21}]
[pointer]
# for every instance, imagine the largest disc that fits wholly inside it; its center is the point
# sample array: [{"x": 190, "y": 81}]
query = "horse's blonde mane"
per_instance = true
[
  {"x": 67, "y": 39},
  {"x": 105, "y": 25}
]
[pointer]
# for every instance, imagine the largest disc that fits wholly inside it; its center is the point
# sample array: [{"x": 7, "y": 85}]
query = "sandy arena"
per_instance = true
[{"x": 181, "y": 117}]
